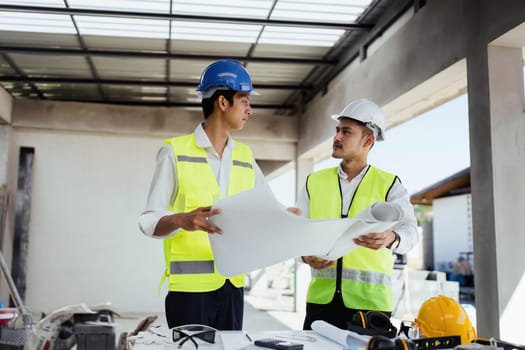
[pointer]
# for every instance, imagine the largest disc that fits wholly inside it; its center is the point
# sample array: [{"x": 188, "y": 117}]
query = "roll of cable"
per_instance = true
[{"x": 379, "y": 342}]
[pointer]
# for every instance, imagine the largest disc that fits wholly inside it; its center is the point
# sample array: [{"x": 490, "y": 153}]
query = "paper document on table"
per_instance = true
[
  {"x": 344, "y": 337},
  {"x": 259, "y": 232}
]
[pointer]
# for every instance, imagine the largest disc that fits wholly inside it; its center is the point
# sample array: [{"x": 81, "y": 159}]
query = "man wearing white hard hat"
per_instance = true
[{"x": 360, "y": 281}]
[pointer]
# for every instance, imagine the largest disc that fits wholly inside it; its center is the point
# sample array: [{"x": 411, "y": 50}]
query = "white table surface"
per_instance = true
[{"x": 236, "y": 340}]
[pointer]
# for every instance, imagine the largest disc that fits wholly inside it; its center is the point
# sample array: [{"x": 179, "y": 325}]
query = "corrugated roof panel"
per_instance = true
[
  {"x": 224, "y": 8},
  {"x": 290, "y": 51},
  {"x": 52, "y": 65},
  {"x": 346, "y": 11},
  {"x": 129, "y": 68},
  {"x": 273, "y": 96},
  {"x": 45, "y": 3},
  {"x": 184, "y": 70},
  {"x": 300, "y": 36},
  {"x": 221, "y": 32},
  {"x": 266, "y": 73},
  {"x": 70, "y": 91},
  {"x": 184, "y": 95},
  {"x": 12, "y": 38},
  {"x": 122, "y": 27},
  {"x": 162, "y": 6},
  {"x": 210, "y": 47},
  {"x": 121, "y": 92},
  {"x": 36, "y": 22},
  {"x": 96, "y": 42}
]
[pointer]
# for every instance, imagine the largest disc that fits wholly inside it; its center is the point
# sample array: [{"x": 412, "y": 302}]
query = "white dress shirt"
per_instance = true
[
  {"x": 398, "y": 194},
  {"x": 164, "y": 186}
]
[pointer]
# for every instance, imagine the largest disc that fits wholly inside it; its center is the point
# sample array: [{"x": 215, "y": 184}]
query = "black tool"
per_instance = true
[{"x": 278, "y": 344}]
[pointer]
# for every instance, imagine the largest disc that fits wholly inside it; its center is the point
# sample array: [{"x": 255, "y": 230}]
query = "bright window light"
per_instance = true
[
  {"x": 46, "y": 3},
  {"x": 300, "y": 36},
  {"x": 310, "y": 10},
  {"x": 36, "y": 22},
  {"x": 215, "y": 31},
  {"x": 156, "y": 6},
  {"x": 123, "y": 27},
  {"x": 331, "y": 11},
  {"x": 224, "y": 8}
]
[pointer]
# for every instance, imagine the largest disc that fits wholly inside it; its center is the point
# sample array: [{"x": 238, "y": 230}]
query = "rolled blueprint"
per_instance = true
[{"x": 349, "y": 340}]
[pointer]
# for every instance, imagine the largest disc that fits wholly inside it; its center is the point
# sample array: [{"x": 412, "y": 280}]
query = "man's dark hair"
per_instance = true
[{"x": 207, "y": 103}]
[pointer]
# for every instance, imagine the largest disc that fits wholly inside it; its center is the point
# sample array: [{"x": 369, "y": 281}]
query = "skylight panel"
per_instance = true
[
  {"x": 46, "y": 3},
  {"x": 215, "y": 31},
  {"x": 122, "y": 27},
  {"x": 300, "y": 36},
  {"x": 310, "y": 10},
  {"x": 156, "y": 6},
  {"x": 36, "y": 22},
  {"x": 224, "y": 8}
]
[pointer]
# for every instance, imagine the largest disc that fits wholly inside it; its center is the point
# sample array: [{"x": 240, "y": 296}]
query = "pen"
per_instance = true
[{"x": 249, "y": 338}]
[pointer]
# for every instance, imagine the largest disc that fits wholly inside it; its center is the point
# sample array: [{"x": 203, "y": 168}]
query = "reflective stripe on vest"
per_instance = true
[
  {"x": 187, "y": 267},
  {"x": 188, "y": 254},
  {"x": 366, "y": 277},
  {"x": 355, "y": 275}
]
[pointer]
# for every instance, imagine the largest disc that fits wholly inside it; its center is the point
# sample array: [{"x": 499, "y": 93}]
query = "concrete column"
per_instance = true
[
  {"x": 4, "y": 147},
  {"x": 497, "y": 148},
  {"x": 6, "y": 106}
]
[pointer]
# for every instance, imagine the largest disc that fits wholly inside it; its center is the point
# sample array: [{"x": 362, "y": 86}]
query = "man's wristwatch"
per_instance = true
[{"x": 395, "y": 242}]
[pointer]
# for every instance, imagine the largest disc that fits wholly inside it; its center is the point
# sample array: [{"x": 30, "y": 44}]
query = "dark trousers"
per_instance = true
[
  {"x": 335, "y": 313},
  {"x": 221, "y": 309}
]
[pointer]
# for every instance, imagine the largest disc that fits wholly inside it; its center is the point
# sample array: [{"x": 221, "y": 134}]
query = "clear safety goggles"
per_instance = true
[{"x": 182, "y": 334}]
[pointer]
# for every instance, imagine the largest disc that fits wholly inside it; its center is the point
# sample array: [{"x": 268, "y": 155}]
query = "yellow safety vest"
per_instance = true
[
  {"x": 188, "y": 255},
  {"x": 366, "y": 273}
]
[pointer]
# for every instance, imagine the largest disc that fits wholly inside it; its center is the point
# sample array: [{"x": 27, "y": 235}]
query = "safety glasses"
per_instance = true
[{"x": 184, "y": 333}]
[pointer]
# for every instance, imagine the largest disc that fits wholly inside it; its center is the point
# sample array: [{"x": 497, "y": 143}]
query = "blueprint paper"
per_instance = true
[
  {"x": 346, "y": 338},
  {"x": 258, "y": 232}
]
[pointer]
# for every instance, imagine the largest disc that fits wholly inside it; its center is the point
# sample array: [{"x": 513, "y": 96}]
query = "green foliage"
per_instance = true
[{"x": 423, "y": 213}]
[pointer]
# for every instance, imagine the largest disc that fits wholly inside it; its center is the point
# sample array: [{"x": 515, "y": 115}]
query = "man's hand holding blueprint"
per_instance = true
[{"x": 258, "y": 231}]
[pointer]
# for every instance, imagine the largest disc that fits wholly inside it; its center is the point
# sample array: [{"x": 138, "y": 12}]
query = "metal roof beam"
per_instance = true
[
  {"x": 180, "y": 17},
  {"x": 178, "y": 104},
  {"x": 157, "y": 55},
  {"x": 62, "y": 80}
]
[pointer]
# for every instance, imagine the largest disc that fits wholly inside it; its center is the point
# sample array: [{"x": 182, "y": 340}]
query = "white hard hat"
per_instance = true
[{"x": 366, "y": 112}]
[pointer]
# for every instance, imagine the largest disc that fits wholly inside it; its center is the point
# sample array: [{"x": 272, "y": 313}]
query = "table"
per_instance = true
[{"x": 237, "y": 340}]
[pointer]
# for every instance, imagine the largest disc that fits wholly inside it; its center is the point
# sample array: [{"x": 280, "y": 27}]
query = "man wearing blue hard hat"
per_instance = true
[{"x": 193, "y": 172}]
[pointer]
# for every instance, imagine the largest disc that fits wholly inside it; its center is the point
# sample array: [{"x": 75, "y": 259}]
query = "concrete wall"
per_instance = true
[
  {"x": 85, "y": 245},
  {"x": 92, "y": 170}
]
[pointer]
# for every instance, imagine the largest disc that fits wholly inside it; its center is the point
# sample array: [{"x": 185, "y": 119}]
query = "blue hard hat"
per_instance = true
[{"x": 225, "y": 73}]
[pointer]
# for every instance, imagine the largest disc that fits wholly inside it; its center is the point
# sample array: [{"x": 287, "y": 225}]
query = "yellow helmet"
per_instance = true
[{"x": 443, "y": 316}]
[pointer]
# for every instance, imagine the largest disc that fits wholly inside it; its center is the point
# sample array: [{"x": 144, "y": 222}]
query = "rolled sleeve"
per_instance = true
[
  {"x": 407, "y": 226},
  {"x": 162, "y": 191}
]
